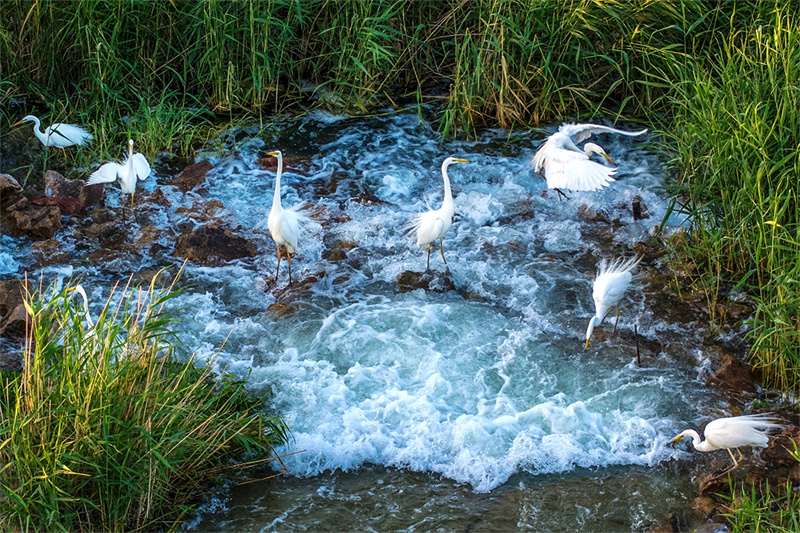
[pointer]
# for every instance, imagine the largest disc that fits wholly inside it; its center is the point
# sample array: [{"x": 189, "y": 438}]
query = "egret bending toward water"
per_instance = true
[
  {"x": 284, "y": 224},
  {"x": 59, "y": 134},
  {"x": 613, "y": 279},
  {"x": 435, "y": 224},
  {"x": 733, "y": 432},
  {"x": 133, "y": 166},
  {"x": 568, "y": 167}
]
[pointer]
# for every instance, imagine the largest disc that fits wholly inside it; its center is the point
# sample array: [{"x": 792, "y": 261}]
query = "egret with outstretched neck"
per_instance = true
[
  {"x": 433, "y": 225},
  {"x": 285, "y": 224}
]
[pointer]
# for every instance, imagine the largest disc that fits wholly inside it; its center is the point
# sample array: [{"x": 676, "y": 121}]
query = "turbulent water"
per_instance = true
[{"x": 432, "y": 407}]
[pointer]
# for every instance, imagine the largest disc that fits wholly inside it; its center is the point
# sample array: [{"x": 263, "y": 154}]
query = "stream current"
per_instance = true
[{"x": 469, "y": 409}]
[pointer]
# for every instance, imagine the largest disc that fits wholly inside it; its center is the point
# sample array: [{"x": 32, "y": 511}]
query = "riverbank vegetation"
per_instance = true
[
  {"x": 718, "y": 78},
  {"x": 105, "y": 430}
]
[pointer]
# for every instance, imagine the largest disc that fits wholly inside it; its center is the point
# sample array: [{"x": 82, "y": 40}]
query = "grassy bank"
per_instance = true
[{"x": 105, "y": 430}]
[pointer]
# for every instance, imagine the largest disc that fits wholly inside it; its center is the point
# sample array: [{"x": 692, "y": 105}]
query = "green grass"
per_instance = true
[
  {"x": 106, "y": 430},
  {"x": 756, "y": 509}
]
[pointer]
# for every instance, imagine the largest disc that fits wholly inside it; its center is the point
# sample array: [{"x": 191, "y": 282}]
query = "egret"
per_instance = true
[
  {"x": 133, "y": 166},
  {"x": 613, "y": 279},
  {"x": 568, "y": 167},
  {"x": 284, "y": 224},
  {"x": 59, "y": 134},
  {"x": 435, "y": 223},
  {"x": 733, "y": 432},
  {"x": 82, "y": 293}
]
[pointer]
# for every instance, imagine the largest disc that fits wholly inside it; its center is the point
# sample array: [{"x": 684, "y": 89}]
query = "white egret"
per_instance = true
[
  {"x": 434, "y": 224},
  {"x": 59, "y": 134},
  {"x": 613, "y": 279},
  {"x": 133, "y": 166},
  {"x": 79, "y": 289},
  {"x": 285, "y": 225},
  {"x": 733, "y": 432},
  {"x": 568, "y": 167}
]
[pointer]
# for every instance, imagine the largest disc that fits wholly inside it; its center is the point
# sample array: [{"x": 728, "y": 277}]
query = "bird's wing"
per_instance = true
[
  {"x": 140, "y": 166},
  {"x": 565, "y": 169},
  {"x": 105, "y": 174},
  {"x": 69, "y": 132},
  {"x": 291, "y": 224},
  {"x": 581, "y": 132},
  {"x": 426, "y": 227},
  {"x": 736, "y": 431}
]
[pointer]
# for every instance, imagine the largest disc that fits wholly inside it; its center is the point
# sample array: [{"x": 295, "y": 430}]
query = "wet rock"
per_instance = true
[
  {"x": 639, "y": 208},
  {"x": 705, "y": 508},
  {"x": 68, "y": 205},
  {"x": 367, "y": 198},
  {"x": 105, "y": 232},
  {"x": 38, "y": 221},
  {"x": 211, "y": 245},
  {"x": 429, "y": 281},
  {"x": 56, "y": 185},
  {"x": 712, "y": 527},
  {"x": 327, "y": 216},
  {"x": 192, "y": 176},
  {"x": 713, "y": 483},
  {"x": 590, "y": 214},
  {"x": 297, "y": 164},
  {"x": 11, "y": 295},
  {"x": 9, "y": 188},
  {"x": 337, "y": 250},
  {"x": 47, "y": 252},
  {"x": 278, "y": 310},
  {"x": 13, "y": 325},
  {"x": 157, "y": 197},
  {"x": 732, "y": 375},
  {"x": 778, "y": 452}
]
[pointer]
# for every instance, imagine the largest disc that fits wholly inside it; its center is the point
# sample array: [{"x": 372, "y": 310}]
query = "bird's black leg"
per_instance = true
[
  {"x": 428, "y": 261},
  {"x": 441, "y": 249},
  {"x": 278, "y": 268},
  {"x": 636, "y": 338},
  {"x": 561, "y": 193},
  {"x": 616, "y": 321},
  {"x": 289, "y": 258}
]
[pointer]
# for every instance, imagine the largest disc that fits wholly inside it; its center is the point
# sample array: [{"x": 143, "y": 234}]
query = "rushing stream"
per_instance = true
[{"x": 469, "y": 409}]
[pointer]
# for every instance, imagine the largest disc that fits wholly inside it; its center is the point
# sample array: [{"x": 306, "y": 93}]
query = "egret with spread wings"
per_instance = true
[
  {"x": 568, "y": 167},
  {"x": 134, "y": 166}
]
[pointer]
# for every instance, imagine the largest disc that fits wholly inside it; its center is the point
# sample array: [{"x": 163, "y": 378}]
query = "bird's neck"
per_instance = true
[
  {"x": 276, "y": 198},
  {"x": 448, "y": 194}
]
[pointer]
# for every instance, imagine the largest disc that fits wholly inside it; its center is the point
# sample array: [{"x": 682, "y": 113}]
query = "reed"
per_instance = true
[{"x": 106, "y": 430}]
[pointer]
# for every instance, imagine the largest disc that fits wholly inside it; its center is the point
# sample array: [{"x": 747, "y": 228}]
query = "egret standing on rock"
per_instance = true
[
  {"x": 59, "y": 134},
  {"x": 568, "y": 167},
  {"x": 284, "y": 224},
  {"x": 733, "y": 432},
  {"x": 613, "y": 279},
  {"x": 434, "y": 224},
  {"x": 133, "y": 166}
]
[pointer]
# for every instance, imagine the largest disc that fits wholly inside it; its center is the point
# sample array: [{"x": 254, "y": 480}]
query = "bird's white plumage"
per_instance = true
[
  {"x": 613, "y": 279},
  {"x": 285, "y": 224},
  {"x": 59, "y": 134},
  {"x": 566, "y": 166},
  {"x": 732, "y": 432},
  {"x": 133, "y": 167},
  {"x": 434, "y": 224}
]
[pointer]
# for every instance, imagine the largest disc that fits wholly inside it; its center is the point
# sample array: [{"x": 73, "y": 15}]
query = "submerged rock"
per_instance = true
[
  {"x": 212, "y": 245},
  {"x": 429, "y": 281}
]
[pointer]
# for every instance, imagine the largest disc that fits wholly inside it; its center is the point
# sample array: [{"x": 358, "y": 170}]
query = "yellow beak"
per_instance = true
[
  {"x": 458, "y": 160},
  {"x": 676, "y": 439},
  {"x": 17, "y": 123},
  {"x": 587, "y": 345},
  {"x": 272, "y": 153},
  {"x": 608, "y": 158}
]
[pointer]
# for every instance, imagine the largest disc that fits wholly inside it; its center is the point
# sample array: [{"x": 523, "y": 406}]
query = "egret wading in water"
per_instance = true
[
  {"x": 732, "y": 433},
  {"x": 285, "y": 225},
  {"x": 59, "y": 134},
  {"x": 568, "y": 167},
  {"x": 613, "y": 279},
  {"x": 434, "y": 224},
  {"x": 133, "y": 167}
]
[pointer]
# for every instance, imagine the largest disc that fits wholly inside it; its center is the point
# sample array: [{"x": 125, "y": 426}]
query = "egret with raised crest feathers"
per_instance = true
[
  {"x": 613, "y": 279},
  {"x": 568, "y": 167},
  {"x": 133, "y": 167},
  {"x": 433, "y": 225},
  {"x": 732, "y": 433}
]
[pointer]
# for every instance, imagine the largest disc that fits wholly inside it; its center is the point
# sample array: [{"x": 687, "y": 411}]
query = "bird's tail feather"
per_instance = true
[{"x": 618, "y": 265}]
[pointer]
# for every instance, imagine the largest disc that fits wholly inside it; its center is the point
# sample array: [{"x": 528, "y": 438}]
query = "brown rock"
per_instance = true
[
  {"x": 9, "y": 188},
  {"x": 40, "y": 222},
  {"x": 13, "y": 325},
  {"x": 590, "y": 214},
  {"x": 296, "y": 163},
  {"x": 732, "y": 375},
  {"x": 212, "y": 245},
  {"x": 778, "y": 452},
  {"x": 11, "y": 295},
  {"x": 192, "y": 176},
  {"x": 18, "y": 205},
  {"x": 713, "y": 483},
  {"x": 639, "y": 208},
  {"x": 58, "y": 186},
  {"x": 428, "y": 281},
  {"x": 66, "y": 204},
  {"x": 277, "y": 310},
  {"x": 157, "y": 197},
  {"x": 704, "y": 507}
]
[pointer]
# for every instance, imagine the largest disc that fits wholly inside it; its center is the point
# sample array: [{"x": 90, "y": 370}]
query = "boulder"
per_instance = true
[
  {"x": 56, "y": 185},
  {"x": 66, "y": 204},
  {"x": 9, "y": 188},
  {"x": 211, "y": 245},
  {"x": 38, "y": 221},
  {"x": 11, "y": 292},
  {"x": 192, "y": 176},
  {"x": 778, "y": 452},
  {"x": 732, "y": 375}
]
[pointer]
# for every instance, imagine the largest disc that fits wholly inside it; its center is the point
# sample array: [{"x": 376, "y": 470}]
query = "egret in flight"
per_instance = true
[
  {"x": 613, "y": 279},
  {"x": 733, "y": 432},
  {"x": 133, "y": 166},
  {"x": 59, "y": 134},
  {"x": 568, "y": 167},
  {"x": 284, "y": 224},
  {"x": 434, "y": 224}
]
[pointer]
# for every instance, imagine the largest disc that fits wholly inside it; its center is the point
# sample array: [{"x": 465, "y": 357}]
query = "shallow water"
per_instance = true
[{"x": 474, "y": 409}]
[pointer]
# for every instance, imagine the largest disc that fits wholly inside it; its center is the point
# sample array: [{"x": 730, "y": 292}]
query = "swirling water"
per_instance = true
[{"x": 475, "y": 408}]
